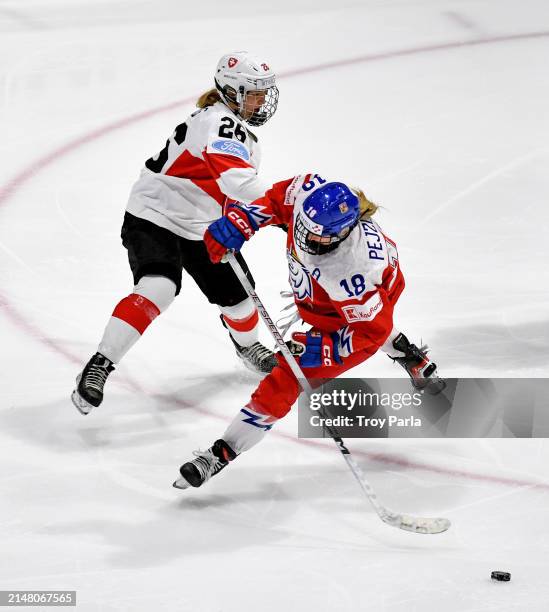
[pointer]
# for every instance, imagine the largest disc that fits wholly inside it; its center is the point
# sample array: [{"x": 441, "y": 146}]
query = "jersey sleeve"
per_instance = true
[
  {"x": 274, "y": 207},
  {"x": 232, "y": 166}
]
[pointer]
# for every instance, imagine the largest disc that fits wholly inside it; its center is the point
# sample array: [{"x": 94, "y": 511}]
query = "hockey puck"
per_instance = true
[{"x": 501, "y": 576}]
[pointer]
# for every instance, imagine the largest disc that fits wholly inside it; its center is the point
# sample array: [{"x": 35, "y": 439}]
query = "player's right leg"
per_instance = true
[
  {"x": 273, "y": 398},
  {"x": 155, "y": 261}
]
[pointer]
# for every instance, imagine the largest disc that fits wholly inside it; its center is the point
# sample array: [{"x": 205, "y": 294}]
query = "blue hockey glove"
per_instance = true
[
  {"x": 229, "y": 232},
  {"x": 316, "y": 348}
]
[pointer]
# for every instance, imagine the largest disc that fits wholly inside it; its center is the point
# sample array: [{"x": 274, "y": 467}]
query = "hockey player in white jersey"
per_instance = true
[
  {"x": 346, "y": 280},
  {"x": 210, "y": 159}
]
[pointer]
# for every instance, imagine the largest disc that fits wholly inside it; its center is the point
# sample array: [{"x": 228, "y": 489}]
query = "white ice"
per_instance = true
[{"x": 444, "y": 121}]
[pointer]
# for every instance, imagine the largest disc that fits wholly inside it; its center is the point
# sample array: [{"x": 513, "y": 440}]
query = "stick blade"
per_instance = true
[{"x": 417, "y": 524}]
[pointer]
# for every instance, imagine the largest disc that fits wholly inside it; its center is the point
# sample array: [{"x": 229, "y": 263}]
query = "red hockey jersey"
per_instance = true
[{"x": 351, "y": 289}]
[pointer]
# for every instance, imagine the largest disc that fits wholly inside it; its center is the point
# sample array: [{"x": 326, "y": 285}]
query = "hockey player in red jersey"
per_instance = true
[
  {"x": 209, "y": 158},
  {"x": 346, "y": 279}
]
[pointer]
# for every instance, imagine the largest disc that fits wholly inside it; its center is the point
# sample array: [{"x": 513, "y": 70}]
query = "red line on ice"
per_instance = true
[
  {"x": 14, "y": 184},
  {"x": 10, "y": 188},
  {"x": 381, "y": 457}
]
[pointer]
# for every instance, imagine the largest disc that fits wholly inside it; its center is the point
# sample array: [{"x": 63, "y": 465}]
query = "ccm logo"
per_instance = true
[
  {"x": 327, "y": 355},
  {"x": 240, "y": 223}
]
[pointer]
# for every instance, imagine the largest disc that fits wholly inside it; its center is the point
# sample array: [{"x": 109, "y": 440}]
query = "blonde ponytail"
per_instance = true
[
  {"x": 367, "y": 208},
  {"x": 208, "y": 98}
]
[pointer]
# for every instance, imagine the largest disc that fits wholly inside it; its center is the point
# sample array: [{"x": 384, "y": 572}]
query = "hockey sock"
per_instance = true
[
  {"x": 242, "y": 322},
  {"x": 134, "y": 314},
  {"x": 247, "y": 429},
  {"x": 388, "y": 347}
]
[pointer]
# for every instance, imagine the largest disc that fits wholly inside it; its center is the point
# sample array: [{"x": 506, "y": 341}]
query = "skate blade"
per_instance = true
[
  {"x": 79, "y": 402},
  {"x": 435, "y": 386},
  {"x": 181, "y": 483}
]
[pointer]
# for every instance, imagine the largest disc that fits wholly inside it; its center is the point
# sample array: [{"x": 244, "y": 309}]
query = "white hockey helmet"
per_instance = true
[{"x": 237, "y": 75}]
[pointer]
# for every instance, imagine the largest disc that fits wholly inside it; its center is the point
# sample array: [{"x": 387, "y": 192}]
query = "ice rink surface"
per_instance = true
[{"x": 438, "y": 109}]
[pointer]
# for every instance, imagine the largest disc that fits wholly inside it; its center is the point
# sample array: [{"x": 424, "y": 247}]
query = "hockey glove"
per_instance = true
[
  {"x": 229, "y": 232},
  {"x": 316, "y": 348}
]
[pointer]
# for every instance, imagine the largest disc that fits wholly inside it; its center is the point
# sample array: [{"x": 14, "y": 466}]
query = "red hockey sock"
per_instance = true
[{"x": 137, "y": 311}]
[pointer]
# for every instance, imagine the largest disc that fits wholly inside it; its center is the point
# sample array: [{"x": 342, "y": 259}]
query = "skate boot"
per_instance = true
[
  {"x": 207, "y": 464},
  {"x": 256, "y": 357},
  {"x": 421, "y": 370},
  {"x": 90, "y": 382}
]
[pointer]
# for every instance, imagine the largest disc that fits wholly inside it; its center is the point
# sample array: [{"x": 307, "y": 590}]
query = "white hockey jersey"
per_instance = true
[{"x": 208, "y": 158}]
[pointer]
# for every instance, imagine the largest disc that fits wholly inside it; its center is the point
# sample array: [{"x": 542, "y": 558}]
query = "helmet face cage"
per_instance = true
[
  {"x": 260, "y": 115},
  {"x": 240, "y": 75},
  {"x": 319, "y": 245},
  {"x": 266, "y": 110}
]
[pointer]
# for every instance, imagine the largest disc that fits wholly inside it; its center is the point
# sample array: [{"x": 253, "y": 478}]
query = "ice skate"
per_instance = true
[
  {"x": 90, "y": 383},
  {"x": 207, "y": 464},
  {"x": 421, "y": 370},
  {"x": 257, "y": 358}
]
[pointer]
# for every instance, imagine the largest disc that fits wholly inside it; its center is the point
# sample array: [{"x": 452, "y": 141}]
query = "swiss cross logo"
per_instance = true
[
  {"x": 232, "y": 62},
  {"x": 265, "y": 67}
]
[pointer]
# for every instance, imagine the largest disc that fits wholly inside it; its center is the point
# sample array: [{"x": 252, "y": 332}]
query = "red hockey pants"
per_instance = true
[{"x": 278, "y": 391}]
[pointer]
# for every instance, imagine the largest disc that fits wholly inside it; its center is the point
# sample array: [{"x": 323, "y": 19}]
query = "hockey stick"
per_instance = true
[{"x": 395, "y": 519}]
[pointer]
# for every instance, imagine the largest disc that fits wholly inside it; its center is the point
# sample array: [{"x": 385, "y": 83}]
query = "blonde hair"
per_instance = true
[
  {"x": 208, "y": 98},
  {"x": 367, "y": 208}
]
